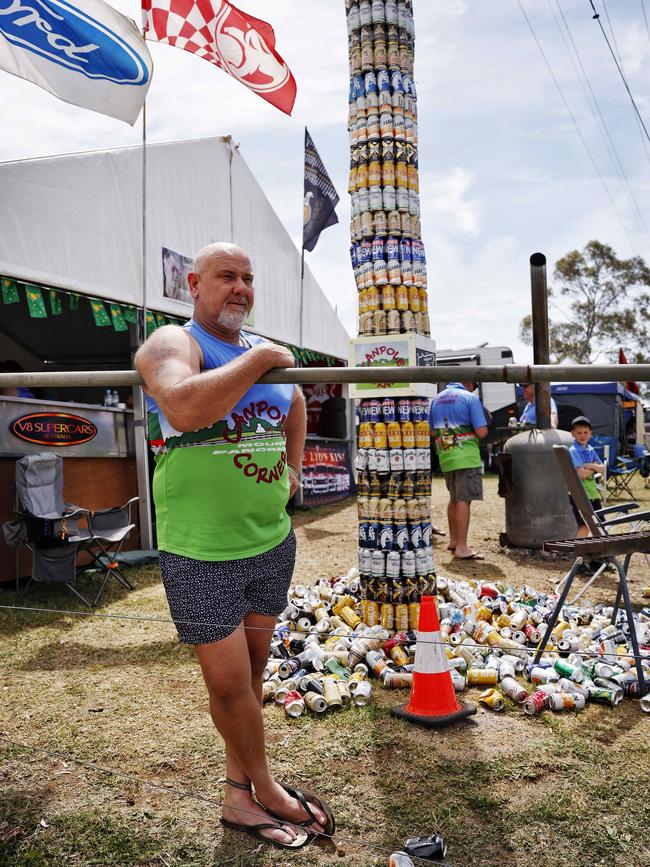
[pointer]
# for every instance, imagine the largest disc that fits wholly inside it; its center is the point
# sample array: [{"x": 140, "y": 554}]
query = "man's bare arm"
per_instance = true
[
  {"x": 170, "y": 364},
  {"x": 481, "y": 432},
  {"x": 295, "y": 428}
]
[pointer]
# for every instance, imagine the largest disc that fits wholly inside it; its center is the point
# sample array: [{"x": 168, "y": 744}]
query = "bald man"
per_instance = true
[{"x": 229, "y": 456}]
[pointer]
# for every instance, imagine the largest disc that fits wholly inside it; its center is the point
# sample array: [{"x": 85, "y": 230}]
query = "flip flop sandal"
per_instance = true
[
  {"x": 255, "y": 831},
  {"x": 471, "y": 557},
  {"x": 304, "y": 796}
]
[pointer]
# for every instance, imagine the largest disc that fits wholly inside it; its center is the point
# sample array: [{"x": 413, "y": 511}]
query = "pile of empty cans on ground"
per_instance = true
[{"x": 324, "y": 656}]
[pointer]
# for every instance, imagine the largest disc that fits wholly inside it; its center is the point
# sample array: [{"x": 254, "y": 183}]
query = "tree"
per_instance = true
[{"x": 607, "y": 308}]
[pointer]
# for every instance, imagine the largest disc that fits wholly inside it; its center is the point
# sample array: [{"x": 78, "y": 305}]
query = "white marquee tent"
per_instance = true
[{"x": 75, "y": 222}]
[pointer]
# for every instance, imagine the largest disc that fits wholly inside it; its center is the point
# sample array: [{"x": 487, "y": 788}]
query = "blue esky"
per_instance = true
[{"x": 503, "y": 172}]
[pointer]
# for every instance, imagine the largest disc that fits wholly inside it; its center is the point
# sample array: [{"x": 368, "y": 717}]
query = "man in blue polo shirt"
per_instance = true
[
  {"x": 457, "y": 423},
  {"x": 529, "y": 415}
]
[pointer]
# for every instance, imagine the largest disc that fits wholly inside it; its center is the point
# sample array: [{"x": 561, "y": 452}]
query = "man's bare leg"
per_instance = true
[
  {"x": 462, "y": 514},
  {"x": 235, "y": 705},
  {"x": 451, "y": 520}
]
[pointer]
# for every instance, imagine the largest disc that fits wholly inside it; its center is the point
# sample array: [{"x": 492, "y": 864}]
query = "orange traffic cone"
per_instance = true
[{"x": 433, "y": 702}]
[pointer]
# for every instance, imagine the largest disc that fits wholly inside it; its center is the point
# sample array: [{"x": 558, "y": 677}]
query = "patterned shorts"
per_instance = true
[{"x": 209, "y": 599}]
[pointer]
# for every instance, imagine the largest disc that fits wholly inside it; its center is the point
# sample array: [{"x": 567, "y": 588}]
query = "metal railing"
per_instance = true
[{"x": 512, "y": 373}]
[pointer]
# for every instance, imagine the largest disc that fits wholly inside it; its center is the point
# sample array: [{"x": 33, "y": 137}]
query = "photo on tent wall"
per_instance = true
[{"x": 176, "y": 267}]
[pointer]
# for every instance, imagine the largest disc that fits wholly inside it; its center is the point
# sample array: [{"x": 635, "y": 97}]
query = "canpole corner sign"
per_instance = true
[{"x": 53, "y": 429}]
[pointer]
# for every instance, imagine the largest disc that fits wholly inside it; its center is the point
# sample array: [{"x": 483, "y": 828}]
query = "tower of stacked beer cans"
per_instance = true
[
  {"x": 394, "y": 458},
  {"x": 387, "y": 253}
]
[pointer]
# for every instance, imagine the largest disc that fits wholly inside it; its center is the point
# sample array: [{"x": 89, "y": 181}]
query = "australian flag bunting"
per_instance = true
[{"x": 320, "y": 197}]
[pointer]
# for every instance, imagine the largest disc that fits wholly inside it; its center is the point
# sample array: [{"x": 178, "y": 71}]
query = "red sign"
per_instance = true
[{"x": 53, "y": 429}]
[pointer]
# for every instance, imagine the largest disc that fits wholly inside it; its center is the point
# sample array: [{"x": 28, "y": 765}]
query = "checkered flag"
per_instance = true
[{"x": 241, "y": 45}]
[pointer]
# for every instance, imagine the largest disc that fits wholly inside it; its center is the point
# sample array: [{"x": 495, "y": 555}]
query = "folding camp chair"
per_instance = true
[
  {"x": 620, "y": 470},
  {"x": 603, "y": 546},
  {"x": 46, "y": 525},
  {"x": 108, "y": 530}
]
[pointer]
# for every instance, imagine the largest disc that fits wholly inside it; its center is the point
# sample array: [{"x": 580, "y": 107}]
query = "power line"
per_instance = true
[
  {"x": 645, "y": 18},
  {"x": 141, "y": 618},
  {"x": 588, "y": 90},
  {"x": 596, "y": 17},
  {"x": 575, "y": 124}
]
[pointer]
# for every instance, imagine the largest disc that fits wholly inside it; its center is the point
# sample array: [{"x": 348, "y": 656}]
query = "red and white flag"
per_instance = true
[{"x": 241, "y": 45}]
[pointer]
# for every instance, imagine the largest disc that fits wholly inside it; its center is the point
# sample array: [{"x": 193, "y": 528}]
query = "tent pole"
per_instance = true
[
  {"x": 302, "y": 295},
  {"x": 139, "y": 403}
]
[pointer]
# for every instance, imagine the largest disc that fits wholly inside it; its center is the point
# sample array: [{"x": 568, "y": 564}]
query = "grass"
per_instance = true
[{"x": 566, "y": 789}]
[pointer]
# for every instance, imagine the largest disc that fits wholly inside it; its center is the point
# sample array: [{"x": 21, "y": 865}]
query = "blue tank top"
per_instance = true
[{"x": 220, "y": 492}]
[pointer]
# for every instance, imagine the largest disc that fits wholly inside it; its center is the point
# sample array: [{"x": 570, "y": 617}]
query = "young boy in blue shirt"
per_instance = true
[{"x": 587, "y": 464}]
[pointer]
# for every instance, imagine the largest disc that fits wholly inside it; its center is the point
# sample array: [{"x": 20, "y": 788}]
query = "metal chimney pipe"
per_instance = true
[{"x": 541, "y": 348}]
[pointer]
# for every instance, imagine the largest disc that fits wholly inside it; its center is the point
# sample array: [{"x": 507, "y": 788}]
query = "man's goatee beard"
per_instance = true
[{"x": 232, "y": 321}]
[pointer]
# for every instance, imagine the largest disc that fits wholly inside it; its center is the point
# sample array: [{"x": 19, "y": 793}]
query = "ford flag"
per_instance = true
[
  {"x": 82, "y": 51},
  {"x": 320, "y": 197}
]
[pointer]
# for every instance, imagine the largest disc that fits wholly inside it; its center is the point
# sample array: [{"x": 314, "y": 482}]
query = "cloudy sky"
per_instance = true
[{"x": 503, "y": 171}]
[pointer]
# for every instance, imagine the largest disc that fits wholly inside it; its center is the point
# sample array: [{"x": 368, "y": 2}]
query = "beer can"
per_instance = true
[
  {"x": 376, "y": 661},
  {"x": 387, "y": 615},
  {"x": 421, "y": 565},
  {"x": 402, "y": 296},
  {"x": 385, "y": 509},
  {"x": 399, "y": 510},
  {"x": 386, "y": 537},
  {"x": 566, "y": 701},
  {"x": 408, "y": 564},
  {"x": 492, "y": 698},
  {"x": 401, "y": 537},
  {"x": 394, "y": 433},
  {"x": 422, "y": 459},
  {"x": 396, "y": 458},
  {"x": 388, "y": 409},
  {"x": 408, "y": 434},
  {"x": 386, "y": 123},
  {"x": 535, "y": 703},
  {"x": 388, "y": 175},
  {"x": 380, "y": 225},
  {"x": 401, "y": 616},
  {"x": 394, "y": 273},
  {"x": 380, "y": 435},
  {"x": 394, "y": 222},
  {"x": 294, "y": 704},
  {"x": 371, "y": 612},
  {"x": 366, "y": 224},
  {"x": 404, "y": 409},
  {"x": 315, "y": 702},
  {"x": 362, "y": 693},
  {"x": 477, "y": 676},
  {"x": 406, "y": 227},
  {"x": 397, "y": 679},
  {"x": 390, "y": 12},
  {"x": 389, "y": 201},
  {"x": 331, "y": 693},
  {"x": 422, "y": 432},
  {"x": 414, "y": 615},
  {"x": 399, "y": 125},
  {"x": 393, "y": 322},
  {"x": 378, "y": 564},
  {"x": 378, "y": 11},
  {"x": 382, "y": 460},
  {"x": 602, "y": 695},
  {"x": 363, "y": 534},
  {"x": 373, "y": 508},
  {"x": 392, "y": 55},
  {"x": 393, "y": 564},
  {"x": 513, "y": 689},
  {"x": 344, "y": 692}
]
